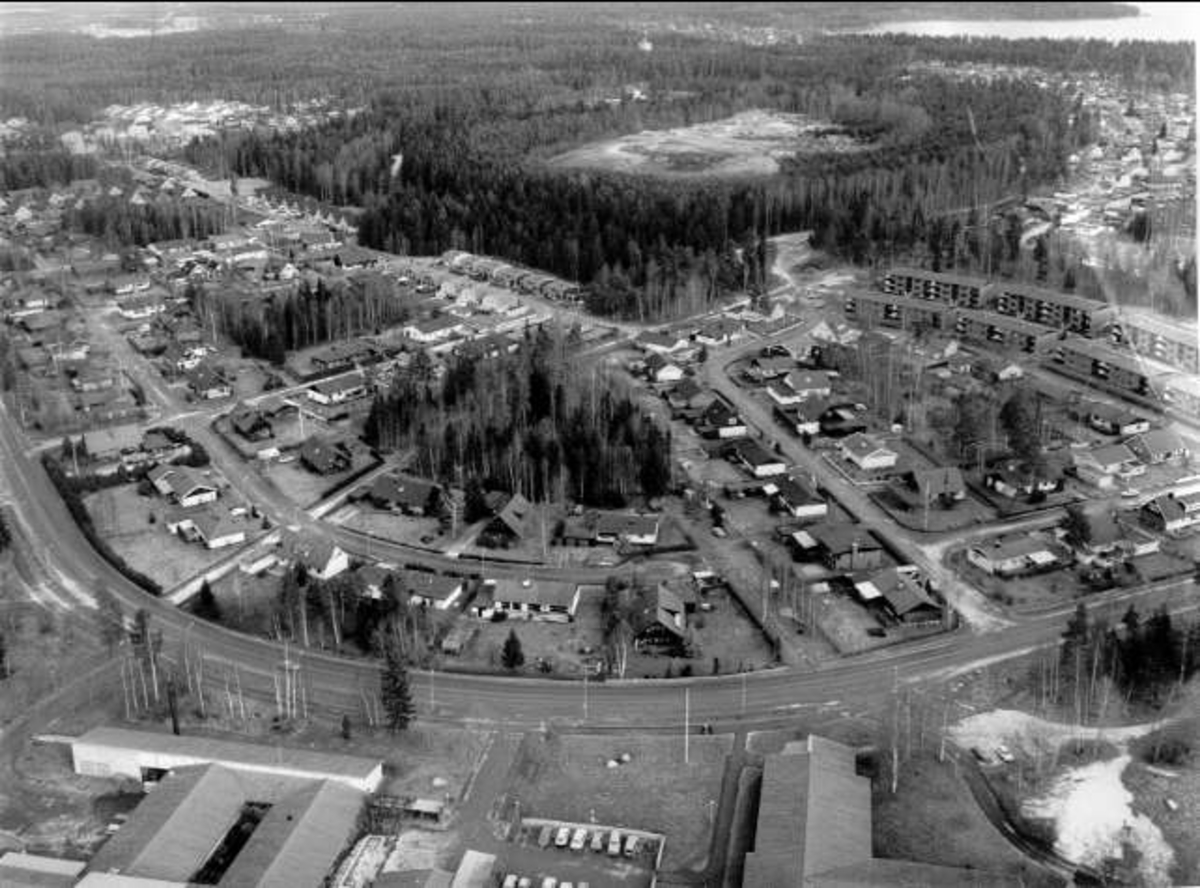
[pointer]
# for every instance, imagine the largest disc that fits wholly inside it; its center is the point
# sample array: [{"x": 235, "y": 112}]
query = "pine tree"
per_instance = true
[
  {"x": 513, "y": 657},
  {"x": 207, "y": 607},
  {"x": 108, "y": 615},
  {"x": 3, "y": 657},
  {"x": 395, "y": 694}
]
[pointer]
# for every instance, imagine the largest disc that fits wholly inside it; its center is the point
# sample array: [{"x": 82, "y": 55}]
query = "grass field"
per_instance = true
[
  {"x": 746, "y": 144},
  {"x": 565, "y": 776}
]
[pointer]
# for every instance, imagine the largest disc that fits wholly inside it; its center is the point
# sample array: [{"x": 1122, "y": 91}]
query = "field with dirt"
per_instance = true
[
  {"x": 566, "y": 777},
  {"x": 747, "y": 144}
]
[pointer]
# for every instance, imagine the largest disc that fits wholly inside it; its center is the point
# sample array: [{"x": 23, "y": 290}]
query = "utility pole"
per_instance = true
[{"x": 687, "y": 730}]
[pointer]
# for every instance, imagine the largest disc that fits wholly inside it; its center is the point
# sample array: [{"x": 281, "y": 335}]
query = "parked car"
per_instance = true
[
  {"x": 1005, "y": 754},
  {"x": 525, "y": 882},
  {"x": 631, "y": 846},
  {"x": 545, "y": 836},
  {"x": 598, "y": 840},
  {"x": 614, "y": 844},
  {"x": 510, "y": 881},
  {"x": 549, "y": 882},
  {"x": 579, "y": 839},
  {"x": 563, "y": 837}
]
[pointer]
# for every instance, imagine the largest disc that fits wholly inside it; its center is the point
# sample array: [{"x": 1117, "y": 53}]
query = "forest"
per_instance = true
[{"x": 533, "y": 422}]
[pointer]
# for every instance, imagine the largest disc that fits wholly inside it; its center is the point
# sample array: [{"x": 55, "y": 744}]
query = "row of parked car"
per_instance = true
[
  {"x": 512, "y": 881},
  {"x": 578, "y": 839}
]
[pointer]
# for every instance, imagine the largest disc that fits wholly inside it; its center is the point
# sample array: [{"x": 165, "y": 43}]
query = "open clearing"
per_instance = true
[{"x": 746, "y": 144}]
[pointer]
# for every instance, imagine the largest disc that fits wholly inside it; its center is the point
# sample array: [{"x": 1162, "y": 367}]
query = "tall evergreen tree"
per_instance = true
[
  {"x": 512, "y": 656},
  {"x": 395, "y": 693}
]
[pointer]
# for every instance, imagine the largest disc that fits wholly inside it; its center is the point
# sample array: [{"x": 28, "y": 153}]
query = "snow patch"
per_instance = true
[{"x": 1033, "y": 735}]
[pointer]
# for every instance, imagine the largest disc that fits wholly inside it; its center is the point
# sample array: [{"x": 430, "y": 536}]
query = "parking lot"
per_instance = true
[{"x": 579, "y": 854}]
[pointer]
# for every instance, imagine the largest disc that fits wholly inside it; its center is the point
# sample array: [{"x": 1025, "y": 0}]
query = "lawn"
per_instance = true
[
  {"x": 907, "y": 510},
  {"x": 397, "y": 528},
  {"x": 933, "y": 818},
  {"x": 306, "y": 488},
  {"x": 123, "y": 519},
  {"x": 565, "y": 776}
]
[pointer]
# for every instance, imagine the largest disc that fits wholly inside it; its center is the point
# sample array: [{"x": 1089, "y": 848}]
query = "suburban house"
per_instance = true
[
  {"x": 660, "y": 370},
  {"x": 339, "y": 390},
  {"x": 433, "y": 590},
  {"x": 782, "y": 394},
  {"x": 841, "y": 420},
  {"x": 1114, "y": 420},
  {"x": 1015, "y": 556},
  {"x": 372, "y": 580},
  {"x": 720, "y": 420},
  {"x": 661, "y": 342},
  {"x": 610, "y": 528},
  {"x": 846, "y": 547},
  {"x": 183, "y": 485},
  {"x": 899, "y": 592},
  {"x": 867, "y": 453},
  {"x": 404, "y": 494},
  {"x": 1172, "y": 513},
  {"x": 324, "y": 457},
  {"x": 809, "y": 383},
  {"x": 804, "y": 417},
  {"x": 1158, "y": 446},
  {"x": 433, "y": 330},
  {"x": 689, "y": 399},
  {"x": 543, "y": 600},
  {"x": 1013, "y": 479},
  {"x": 1097, "y": 466},
  {"x": 208, "y": 384},
  {"x": 214, "y": 530},
  {"x": 942, "y": 484},
  {"x": 764, "y": 369},
  {"x": 252, "y": 424},
  {"x": 756, "y": 459},
  {"x": 814, "y": 828},
  {"x": 796, "y": 499},
  {"x": 662, "y": 621},
  {"x": 320, "y": 557},
  {"x": 720, "y": 331},
  {"x": 513, "y": 517}
]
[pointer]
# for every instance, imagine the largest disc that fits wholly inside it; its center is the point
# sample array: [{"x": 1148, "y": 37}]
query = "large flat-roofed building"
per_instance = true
[
  {"x": 1182, "y": 393},
  {"x": 1051, "y": 308},
  {"x": 1115, "y": 370},
  {"x": 953, "y": 289},
  {"x": 1002, "y": 331},
  {"x": 1173, "y": 341},
  {"x": 213, "y": 825},
  {"x": 814, "y": 829},
  {"x": 112, "y": 752},
  {"x": 890, "y": 310},
  {"x": 18, "y": 870}
]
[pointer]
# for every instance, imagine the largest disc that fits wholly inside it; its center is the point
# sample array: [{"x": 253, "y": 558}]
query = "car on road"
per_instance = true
[
  {"x": 563, "y": 837},
  {"x": 545, "y": 836},
  {"x": 598, "y": 840},
  {"x": 578, "y": 839},
  {"x": 614, "y": 844},
  {"x": 1005, "y": 754}
]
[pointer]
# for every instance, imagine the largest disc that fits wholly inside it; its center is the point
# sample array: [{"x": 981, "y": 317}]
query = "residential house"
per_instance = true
[
  {"x": 512, "y": 521},
  {"x": 183, "y": 485},
  {"x": 756, "y": 459},
  {"x": 1013, "y": 479},
  {"x": 661, "y": 342},
  {"x": 433, "y": 330},
  {"x": 318, "y": 555},
  {"x": 797, "y": 500},
  {"x": 433, "y": 590},
  {"x": 217, "y": 531},
  {"x": 662, "y": 621},
  {"x": 1158, "y": 446},
  {"x": 809, "y": 383},
  {"x": 208, "y": 384},
  {"x": 339, "y": 390},
  {"x": 404, "y": 494},
  {"x": 1172, "y": 513},
  {"x": 764, "y": 369},
  {"x": 867, "y": 453},
  {"x": 941, "y": 484},
  {"x": 782, "y": 394},
  {"x": 372, "y": 579},
  {"x": 846, "y": 547},
  {"x": 660, "y": 370},
  {"x": 720, "y": 420},
  {"x": 901, "y": 595},
  {"x": 1114, "y": 420},
  {"x": 543, "y": 600},
  {"x": 251, "y": 423},
  {"x": 324, "y": 457},
  {"x": 1098, "y": 465},
  {"x": 720, "y": 331},
  {"x": 636, "y": 530},
  {"x": 1015, "y": 556},
  {"x": 688, "y": 399},
  {"x": 841, "y": 421},
  {"x": 803, "y": 418}
]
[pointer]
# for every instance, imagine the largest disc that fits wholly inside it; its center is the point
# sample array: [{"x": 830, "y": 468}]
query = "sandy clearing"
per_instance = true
[{"x": 1033, "y": 735}]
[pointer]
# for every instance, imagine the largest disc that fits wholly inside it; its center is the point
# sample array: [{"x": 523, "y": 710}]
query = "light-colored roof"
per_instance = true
[
  {"x": 535, "y": 592},
  {"x": 231, "y": 753},
  {"x": 475, "y": 870},
  {"x": 18, "y": 870}
]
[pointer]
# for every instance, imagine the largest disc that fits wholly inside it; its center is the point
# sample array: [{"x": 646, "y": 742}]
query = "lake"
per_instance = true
[{"x": 1158, "y": 21}]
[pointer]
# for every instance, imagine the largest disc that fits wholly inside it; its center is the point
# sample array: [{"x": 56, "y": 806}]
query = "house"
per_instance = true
[
  {"x": 662, "y": 621},
  {"x": 661, "y": 342},
  {"x": 1015, "y": 556},
  {"x": 320, "y": 557},
  {"x": 1013, "y": 479},
  {"x": 325, "y": 458},
  {"x": 941, "y": 484},
  {"x": 901, "y": 595},
  {"x": 660, "y": 370},
  {"x": 217, "y": 531},
  {"x": 1158, "y": 446},
  {"x": 543, "y": 600},
  {"x": 404, "y": 494},
  {"x": 756, "y": 459},
  {"x": 689, "y": 399},
  {"x": 846, "y": 547},
  {"x": 783, "y": 395},
  {"x": 1010, "y": 372},
  {"x": 433, "y": 330},
  {"x": 373, "y": 579},
  {"x": 764, "y": 369},
  {"x": 183, "y": 485},
  {"x": 208, "y": 384},
  {"x": 720, "y": 331},
  {"x": 867, "y": 453},
  {"x": 636, "y": 530},
  {"x": 512, "y": 519},
  {"x": 1098, "y": 465},
  {"x": 340, "y": 390},
  {"x": 433, "y": 590},
  {"x": 251, "y": 423},
  {"x": 1114, "y": 420},
  {"x": 809, "y": 383},
  {"x": 1172, "y": 513},
  {"x": 1105, "y": 535},
  {"x": 720, "y": 420},
  {"x": 797, "y": 500},
  {"x": 841, "y": 420}
]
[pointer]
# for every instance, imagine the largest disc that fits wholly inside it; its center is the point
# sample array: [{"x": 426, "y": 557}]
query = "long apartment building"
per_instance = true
[
  {"x": 1117, "y": 371},
  {"x": 1169, "y": 341},
  {"x": 1037, "y": 305}
]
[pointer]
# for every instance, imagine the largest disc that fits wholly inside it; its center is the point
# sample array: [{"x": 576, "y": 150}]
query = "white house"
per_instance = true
[
  {"x": 797, "y": 500},
  {"x": 433, "y": 590},
  {"x": 1099, "y": 465},
  {"x": 1024, "y": 554},
  {"x": 809, "y": 383},
  {"x": 320, "y": 557},
  {"x": 662, "y": 343},
  {"x": 434, "y": 329},
  {"x": 183, "y": 485},
  {"x": 783, "y": 394},
  {"x": 637, "y": 530},
  {"x": 756, "y": 459},
  {"x": 868, "y": 454},
  {"x": 542, "y": 600},
  {"x": 338, "y": 391}
]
